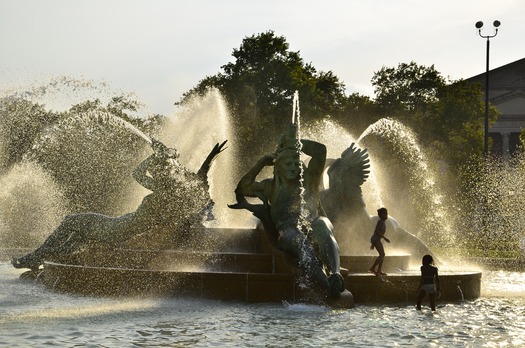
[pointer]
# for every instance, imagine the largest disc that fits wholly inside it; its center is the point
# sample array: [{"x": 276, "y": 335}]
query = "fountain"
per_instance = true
[{"x": 226, "y": 258}]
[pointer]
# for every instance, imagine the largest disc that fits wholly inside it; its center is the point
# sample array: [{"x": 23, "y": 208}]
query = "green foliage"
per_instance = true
[
  {"x": 259, "y": 86},
  {"x": 407, "y": 88},
  {"x": 459, "y": 120},
  {"x": 21, "y": 122},
  {"x": 448, "y": 118},
  {"x": 358, "y": 112}
]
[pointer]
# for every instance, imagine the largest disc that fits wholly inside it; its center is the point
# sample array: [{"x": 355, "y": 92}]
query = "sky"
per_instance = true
[{"x": 160, "y": 49}]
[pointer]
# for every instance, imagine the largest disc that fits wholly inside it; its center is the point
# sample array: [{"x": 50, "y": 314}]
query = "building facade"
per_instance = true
[{"x": 507, "y": 94}]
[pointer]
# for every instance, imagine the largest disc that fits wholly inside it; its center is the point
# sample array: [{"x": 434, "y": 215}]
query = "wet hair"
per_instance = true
[
  {"x": 427, "y": 260},
  {"x": 381, "y": 210}
]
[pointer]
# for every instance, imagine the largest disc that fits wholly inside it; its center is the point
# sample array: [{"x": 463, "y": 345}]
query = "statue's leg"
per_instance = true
[
  {"x": 291, "y": 241},
  {"x": 325, "y": 244},
  {"x": 327, "y": 249},
  {"x": 95, "y": 229}
]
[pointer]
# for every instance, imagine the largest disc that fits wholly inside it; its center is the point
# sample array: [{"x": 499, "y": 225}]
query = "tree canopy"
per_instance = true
[
  {"x": 260, "y": 83},
  {"x": 265, "y": 74},
  {"x": 446, "y": 115}
]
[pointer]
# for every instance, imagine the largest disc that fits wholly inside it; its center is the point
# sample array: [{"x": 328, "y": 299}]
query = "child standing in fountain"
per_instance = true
[
  {"x": 379, "y": 233},
  {"x": 429, "y": 283}
]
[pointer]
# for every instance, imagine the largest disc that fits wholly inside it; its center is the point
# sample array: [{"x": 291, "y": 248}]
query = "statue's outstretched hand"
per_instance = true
[
  {"x": 239, "y": 205},
  {"x": 218, "y": 148},
  {"x": 242, "y": 203}
]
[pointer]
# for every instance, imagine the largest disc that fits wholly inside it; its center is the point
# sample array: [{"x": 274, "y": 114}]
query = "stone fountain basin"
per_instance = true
[
  {"x": 241, "y": 266},
  {"x": 246, "y": 277}
]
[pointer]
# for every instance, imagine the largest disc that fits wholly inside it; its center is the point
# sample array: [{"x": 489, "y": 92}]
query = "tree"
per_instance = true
[
  {"x": 21, "y": 122},
  {"x": 457, "y": 121},
  {"x": 407, "y": 91},
  {"x": 259, "y": 86},
  {"x": 358, "y": 112},
  {"x": 447, "y": 117}
]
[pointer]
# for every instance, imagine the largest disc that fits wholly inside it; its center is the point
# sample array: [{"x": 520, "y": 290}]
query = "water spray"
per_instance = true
[
  {"x": 131, "y": 128},
  {"x": 303, "y": 223},
  {"x": 296, "y": 119}
]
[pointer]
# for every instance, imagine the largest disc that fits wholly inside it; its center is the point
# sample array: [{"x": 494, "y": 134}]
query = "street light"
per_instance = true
[{"x": 479, "y": 25}]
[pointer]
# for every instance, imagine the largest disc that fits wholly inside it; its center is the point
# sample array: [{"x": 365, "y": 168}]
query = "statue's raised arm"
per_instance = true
[
  {"x": 206, "y": 165},
  {"x": 141, "y": 174},
  {"x": 317, "y": 152}
]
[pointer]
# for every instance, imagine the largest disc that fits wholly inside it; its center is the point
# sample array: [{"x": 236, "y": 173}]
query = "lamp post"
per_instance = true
[{"x": 479, "y": 25}]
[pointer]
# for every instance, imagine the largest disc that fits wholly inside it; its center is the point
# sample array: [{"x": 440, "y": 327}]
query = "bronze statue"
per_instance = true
[
  {"x": 290, "y": 210},
  {"x": 179, "y": 199}
]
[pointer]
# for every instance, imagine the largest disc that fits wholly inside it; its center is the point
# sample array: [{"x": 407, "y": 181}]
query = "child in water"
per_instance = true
[
  {"x": 379, "y": 233},
  {"x": 429, "y": 283}
]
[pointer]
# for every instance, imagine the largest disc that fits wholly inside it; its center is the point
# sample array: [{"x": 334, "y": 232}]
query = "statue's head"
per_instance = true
[
  {"x": 162, "y": 152},
  {"x": 165, "y": 165},
  {"x": 287, "y": 163}
]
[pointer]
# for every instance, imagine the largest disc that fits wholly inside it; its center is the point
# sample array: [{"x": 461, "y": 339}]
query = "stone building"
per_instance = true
[{"x": 507, "y": 93}]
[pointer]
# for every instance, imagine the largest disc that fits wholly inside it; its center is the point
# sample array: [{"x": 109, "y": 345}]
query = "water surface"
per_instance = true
[{"x": 30, "y": 315}]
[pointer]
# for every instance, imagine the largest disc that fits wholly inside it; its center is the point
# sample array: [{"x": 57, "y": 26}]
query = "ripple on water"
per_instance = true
[{"x": 33, "y": 316}]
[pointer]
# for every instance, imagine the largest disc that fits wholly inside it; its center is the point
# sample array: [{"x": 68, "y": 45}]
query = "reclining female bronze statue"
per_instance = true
[{"x": 179, "y": 199}]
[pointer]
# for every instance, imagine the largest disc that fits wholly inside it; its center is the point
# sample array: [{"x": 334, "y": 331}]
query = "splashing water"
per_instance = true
[
  {"x": 119, "y": 121},
  {"x": 490, "y": 209},
  {"x": 57, "y": 163},
  {"x": 428, "y": 203},
  {"x": 92, "y": 156},
  {"x": 31, "y": 205},
  {"x": 461, "y": 293},
  {"x": 194, "y": 129},
  {"x": 296, "y": 119},
  {"x": 303, "y": 223},
  {"x": 59, "y": 93},
  {"x": 108, "y": 147}
]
